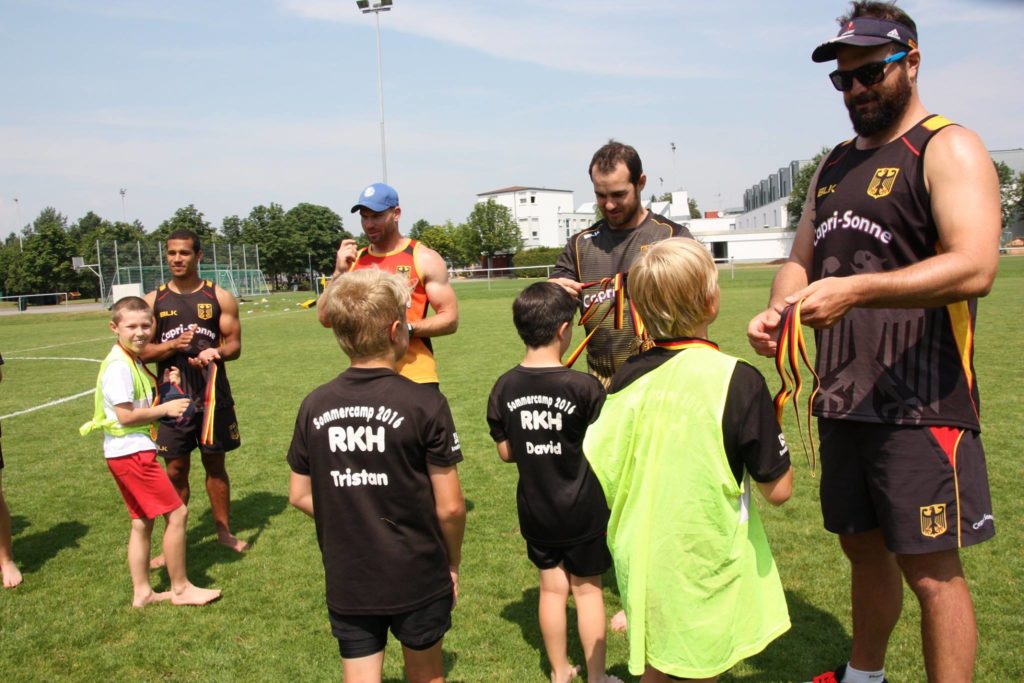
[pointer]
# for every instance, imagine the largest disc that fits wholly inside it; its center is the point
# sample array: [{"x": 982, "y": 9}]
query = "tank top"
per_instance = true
[
  {"x": 906, "y": 366},
  {"x": 418, "y": 363},
  {"x": 208, "y": 387}
]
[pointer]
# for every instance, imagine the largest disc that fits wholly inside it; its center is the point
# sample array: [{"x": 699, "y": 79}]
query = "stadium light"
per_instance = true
[{"x": 375, "y": 7}]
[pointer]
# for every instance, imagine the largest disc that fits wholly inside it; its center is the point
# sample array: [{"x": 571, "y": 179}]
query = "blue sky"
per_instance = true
[{"x": 229, "y": 104}]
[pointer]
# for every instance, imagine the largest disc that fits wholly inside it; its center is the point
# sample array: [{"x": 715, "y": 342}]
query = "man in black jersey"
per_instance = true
[
  {"x": 897, "y": 240},
  {"x": 608, "y": 248},
  {"x": 197, "y": 331}
]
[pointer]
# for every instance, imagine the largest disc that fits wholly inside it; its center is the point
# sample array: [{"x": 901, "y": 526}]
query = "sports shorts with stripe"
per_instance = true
[
  {"x": 925, "y": 487},
  {"x": 175, "y": 441}
]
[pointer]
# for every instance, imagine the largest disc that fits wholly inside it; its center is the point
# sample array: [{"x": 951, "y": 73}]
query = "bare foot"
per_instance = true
[
  {"x": 574, "y": 671},
  {"x": 11, "y": 573},
  {"x": 193, "y": 595},
  {"x": 157, "y": 562},
  {"x": 140, "y": 601},
  {"x": 619, "y": 622},
  {"x": 225, "y": 538}
]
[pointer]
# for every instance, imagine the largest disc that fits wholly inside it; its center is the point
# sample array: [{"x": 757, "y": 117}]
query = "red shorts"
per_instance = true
[{"x": 146, "y": 489}]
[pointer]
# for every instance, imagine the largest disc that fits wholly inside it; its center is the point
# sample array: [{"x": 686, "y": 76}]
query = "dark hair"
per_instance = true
[
  {"x": 878, "y": 10},
  {"x": 611, "y": 155},
  {"x": 539, "y": 310},
  {"x": 185, "y": 234},
  {"x": 128, "y": 303}
]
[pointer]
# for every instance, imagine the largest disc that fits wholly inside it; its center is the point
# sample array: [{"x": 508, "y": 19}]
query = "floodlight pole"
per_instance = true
[
  {"x": 17, "y": 209},
  {"x": 375, "y": 7},
  {"x": 673, "y": 166},
  {"x": 124, "y": 213}
]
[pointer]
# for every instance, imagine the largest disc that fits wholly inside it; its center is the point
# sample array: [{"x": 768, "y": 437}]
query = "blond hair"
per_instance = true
[
  {"x": 361, "y": 306},
  {"x": 672, "y": 285}
]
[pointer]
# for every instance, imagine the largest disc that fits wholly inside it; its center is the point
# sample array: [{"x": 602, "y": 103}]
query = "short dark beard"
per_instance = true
[{"x": 891, "y": 104}]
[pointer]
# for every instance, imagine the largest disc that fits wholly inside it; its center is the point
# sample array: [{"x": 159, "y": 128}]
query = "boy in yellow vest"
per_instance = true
[
  {"x": 683, "y": 431},
  {"x": 124, "y": 410}
]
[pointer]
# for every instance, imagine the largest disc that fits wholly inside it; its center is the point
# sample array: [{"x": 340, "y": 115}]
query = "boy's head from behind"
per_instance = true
[
  {"x": 540, "y": 310},
  {"x": 674, "y": 287},
  {"x": 131, "y": 320},
  {"x": 366, "y": 309}
]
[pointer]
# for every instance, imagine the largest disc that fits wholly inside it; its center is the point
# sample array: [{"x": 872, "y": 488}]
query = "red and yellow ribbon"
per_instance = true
[
  {"x": 617, "y": 285},
  {"x": 789, "y": 352}
]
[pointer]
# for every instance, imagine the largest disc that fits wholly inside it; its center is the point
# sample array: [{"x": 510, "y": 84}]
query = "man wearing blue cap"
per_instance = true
[
  {"x": 898, "y": 239},
  {"x": 379, "y": 212}
]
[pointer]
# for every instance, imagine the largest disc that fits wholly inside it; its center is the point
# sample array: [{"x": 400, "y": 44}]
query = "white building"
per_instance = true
[{"x": 536, "y": 210}]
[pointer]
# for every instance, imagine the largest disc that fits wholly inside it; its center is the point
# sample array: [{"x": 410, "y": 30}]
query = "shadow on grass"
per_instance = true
[
  {"x": 18, "y": 524},
  {"x": 253, "y": 512},
  {"x": 448, "y": 660},
  {"x": 817, "y": 641},
  {"x": 32, "y": 551}
]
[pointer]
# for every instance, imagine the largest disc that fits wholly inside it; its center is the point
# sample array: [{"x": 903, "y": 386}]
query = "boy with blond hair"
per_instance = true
[
  {"x": 538, "y": 413},
  {"x": 124, "y": 409},
  {"x": 683, "y": 431},
  {"x": 373, "y": 462}
]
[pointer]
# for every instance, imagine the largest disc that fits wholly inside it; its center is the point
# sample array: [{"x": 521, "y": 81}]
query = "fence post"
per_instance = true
[
  {"x": 117, "y": 266},
  {"x": 99, "y": 266},
  {"x": 160, "y": 253},
  {"x": 142, "y": 275}
]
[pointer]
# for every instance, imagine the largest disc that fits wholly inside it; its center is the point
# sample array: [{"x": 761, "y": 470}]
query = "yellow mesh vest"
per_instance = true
[
  {"x": 695, "y": 573},
  {"x": 142, "y": 386}
]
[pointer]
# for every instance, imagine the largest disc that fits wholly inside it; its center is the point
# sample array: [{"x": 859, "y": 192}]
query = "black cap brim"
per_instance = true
[{"x": 826, "y": 52}]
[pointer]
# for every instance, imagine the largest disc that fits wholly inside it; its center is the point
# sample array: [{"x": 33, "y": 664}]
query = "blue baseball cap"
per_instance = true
[{"x": 377, "y": 197}]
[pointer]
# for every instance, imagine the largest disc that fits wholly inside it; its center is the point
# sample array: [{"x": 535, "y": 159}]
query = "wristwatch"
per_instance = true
[{"x": 408, "y": 326}]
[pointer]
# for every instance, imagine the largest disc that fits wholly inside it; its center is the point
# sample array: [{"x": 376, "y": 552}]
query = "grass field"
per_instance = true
[{"x": 70, "y": 620}]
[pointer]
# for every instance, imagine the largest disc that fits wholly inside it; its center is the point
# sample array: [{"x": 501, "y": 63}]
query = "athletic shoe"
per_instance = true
[{"x": 835, "y": 676}]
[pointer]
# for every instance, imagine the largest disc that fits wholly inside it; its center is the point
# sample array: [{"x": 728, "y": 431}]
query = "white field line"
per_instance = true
[
  {"x": 56, "y": 401},
  {"x": 54, "y": 346}
]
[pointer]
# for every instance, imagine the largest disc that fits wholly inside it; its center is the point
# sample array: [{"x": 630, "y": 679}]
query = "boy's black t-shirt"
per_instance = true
[
  {"x": 751, "y": 433},
  {"x": 544, "y": 414},
  {"x": 365, "y": 439}
]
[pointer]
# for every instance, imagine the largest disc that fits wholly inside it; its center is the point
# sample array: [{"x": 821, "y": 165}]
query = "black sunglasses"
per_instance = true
[{"x": 868, "y": 74}]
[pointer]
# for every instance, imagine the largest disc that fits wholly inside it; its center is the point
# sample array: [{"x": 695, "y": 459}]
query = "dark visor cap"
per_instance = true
[{"x": 866, "y": 32}]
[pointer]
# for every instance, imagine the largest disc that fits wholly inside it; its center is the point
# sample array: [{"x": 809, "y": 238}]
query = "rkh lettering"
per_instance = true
[
  {"x": 362, "y": 439},
  {"x": 540, "y": 419}
]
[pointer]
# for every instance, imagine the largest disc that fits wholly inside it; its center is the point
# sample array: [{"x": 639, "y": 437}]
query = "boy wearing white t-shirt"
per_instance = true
[{"x": 124, "y": 410}]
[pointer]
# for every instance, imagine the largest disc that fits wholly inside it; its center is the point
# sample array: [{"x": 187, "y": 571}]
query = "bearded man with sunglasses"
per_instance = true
[{"x": 898, "y": 239}]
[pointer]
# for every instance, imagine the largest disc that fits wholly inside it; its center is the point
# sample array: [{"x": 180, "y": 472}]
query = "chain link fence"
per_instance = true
[{"x": 236, "y": 268}]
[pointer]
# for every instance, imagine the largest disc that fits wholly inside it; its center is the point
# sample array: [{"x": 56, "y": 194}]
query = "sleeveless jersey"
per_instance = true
[
  {"x": 906, "y": 366},
  {"x": 599, "y": 252},
  {"x": 208, "y": 387},
  {"x": 418, "y": 363}
]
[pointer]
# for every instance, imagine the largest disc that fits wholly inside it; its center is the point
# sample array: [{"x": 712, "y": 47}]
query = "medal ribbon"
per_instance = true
[
  {"x": 618, "y": 287},
  {"x": 790, "y": 350}
]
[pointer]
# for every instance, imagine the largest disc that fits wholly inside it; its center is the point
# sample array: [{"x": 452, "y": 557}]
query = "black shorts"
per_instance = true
[
  {"x": 362, "y": 635},
  {"x": 925, "y": 487},
  {"x": 175, "y": 441},
  {"x": 586, "y": 558}
]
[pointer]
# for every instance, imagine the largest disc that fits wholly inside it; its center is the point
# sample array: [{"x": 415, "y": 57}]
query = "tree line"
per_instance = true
[{"x": 38, "y": 259}]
